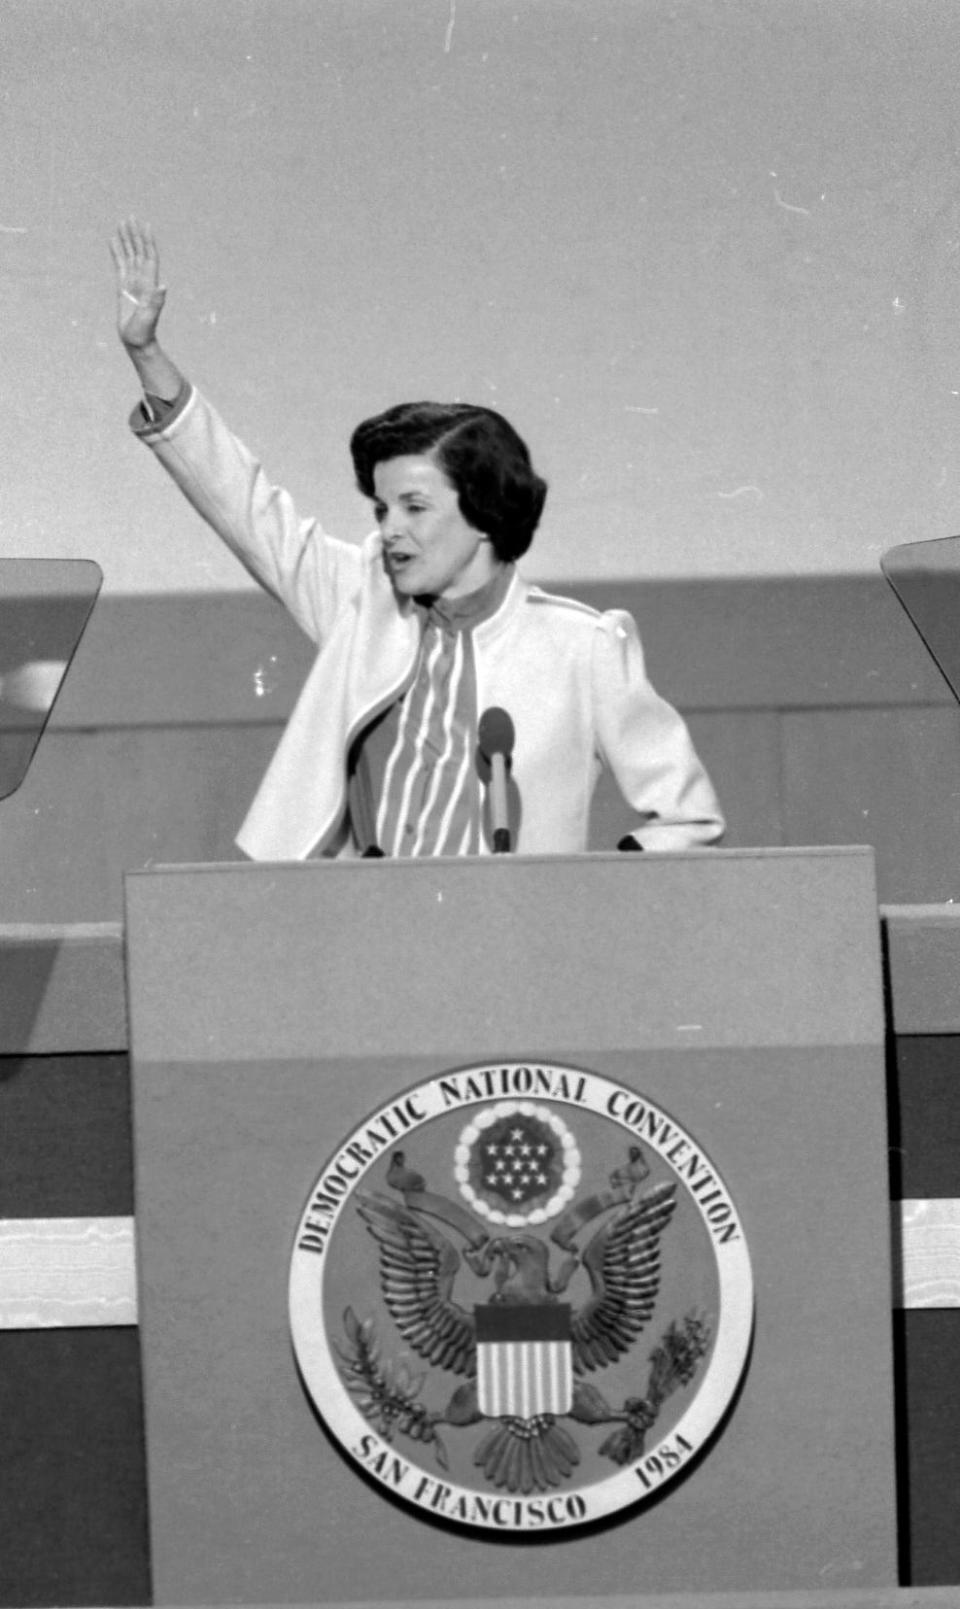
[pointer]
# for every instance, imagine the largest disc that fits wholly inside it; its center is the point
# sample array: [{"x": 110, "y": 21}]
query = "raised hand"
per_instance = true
[{"x": 140, "y": 296}]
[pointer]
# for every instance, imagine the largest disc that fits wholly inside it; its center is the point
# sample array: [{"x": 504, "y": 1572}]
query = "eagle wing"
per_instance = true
[
  {"x": 418, "y": 1266},
  {"x": 623, "y": 1261}
]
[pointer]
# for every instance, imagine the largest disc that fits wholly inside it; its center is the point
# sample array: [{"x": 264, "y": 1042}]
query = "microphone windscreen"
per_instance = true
[{"x": 495, "y": 733}]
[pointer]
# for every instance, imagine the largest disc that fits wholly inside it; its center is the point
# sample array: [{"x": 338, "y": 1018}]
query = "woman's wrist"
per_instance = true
[{"x": 158, "y": 374}]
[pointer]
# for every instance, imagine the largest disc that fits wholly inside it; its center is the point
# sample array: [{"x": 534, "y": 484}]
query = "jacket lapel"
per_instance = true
[{"x": 364, "y": 665}]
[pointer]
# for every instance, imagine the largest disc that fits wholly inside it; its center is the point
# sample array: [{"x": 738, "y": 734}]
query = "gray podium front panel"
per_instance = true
[{"x": 274, "y": 1008}]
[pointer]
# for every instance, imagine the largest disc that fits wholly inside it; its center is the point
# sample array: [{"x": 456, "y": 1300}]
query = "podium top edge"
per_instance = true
[
  {"x": 936, "y": 1597},
  {"x": 764, "y": 852}
]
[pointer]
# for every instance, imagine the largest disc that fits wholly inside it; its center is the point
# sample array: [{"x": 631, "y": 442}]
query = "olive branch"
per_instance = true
[
  {"x": 673, "y": 1363},
  {"x": 386, "y": 1393}
]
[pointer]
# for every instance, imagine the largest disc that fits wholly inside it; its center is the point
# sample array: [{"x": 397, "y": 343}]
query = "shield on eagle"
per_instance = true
[{"x": 524, "y": 1360}]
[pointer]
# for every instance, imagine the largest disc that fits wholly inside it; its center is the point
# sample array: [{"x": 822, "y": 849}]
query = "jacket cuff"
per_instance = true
[{"x": 154, "y": 415}]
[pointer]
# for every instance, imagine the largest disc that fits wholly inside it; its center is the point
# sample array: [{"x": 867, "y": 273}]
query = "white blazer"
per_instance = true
[{"x": 572, "y": 678}]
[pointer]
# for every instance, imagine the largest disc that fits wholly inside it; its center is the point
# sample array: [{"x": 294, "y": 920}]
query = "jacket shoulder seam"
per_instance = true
[{"x": 558, "y": 600}]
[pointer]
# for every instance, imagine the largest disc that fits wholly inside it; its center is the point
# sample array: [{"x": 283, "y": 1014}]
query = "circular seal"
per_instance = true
[{"x": 521, "y": 1297}]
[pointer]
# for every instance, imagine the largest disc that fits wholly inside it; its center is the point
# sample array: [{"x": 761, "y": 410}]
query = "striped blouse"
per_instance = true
[{"x": 414, "y": 788}]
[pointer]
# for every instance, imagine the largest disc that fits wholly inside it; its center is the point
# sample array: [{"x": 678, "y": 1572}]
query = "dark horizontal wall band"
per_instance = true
[
  {"x": 922, "y": 946},
  {"x": 794, "y": 643},
  {"x": 928, "y": 1343},
  {"x": 812, "y": 703},
  {"x": 73, "y": 1494},
  {"x": 62, "y": 986},
  {"x": 62, "y": 989},
  {"x": 65, "y": 1137},
  {"x": 924, "y": 1123}
]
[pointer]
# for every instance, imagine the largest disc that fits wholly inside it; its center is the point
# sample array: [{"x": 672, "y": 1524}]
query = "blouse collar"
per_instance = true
[{"x": 462, "y": 614}]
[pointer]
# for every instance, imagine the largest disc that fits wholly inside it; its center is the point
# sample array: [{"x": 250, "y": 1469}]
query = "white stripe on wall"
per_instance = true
[
  {"x": 81, "y": 1272},
  {"x": 66, "y": 1273},
  {"x": 927, "y": 1258}
]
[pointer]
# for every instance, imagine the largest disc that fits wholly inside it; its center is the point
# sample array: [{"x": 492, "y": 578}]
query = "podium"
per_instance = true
[{"x": 277, "y": 1012}]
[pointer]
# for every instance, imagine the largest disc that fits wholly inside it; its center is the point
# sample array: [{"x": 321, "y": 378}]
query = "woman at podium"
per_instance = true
[{"x": 452, "y": 708}]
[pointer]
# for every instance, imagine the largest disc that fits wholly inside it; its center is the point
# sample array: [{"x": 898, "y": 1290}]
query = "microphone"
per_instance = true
[{"x": 495, "y": 736}]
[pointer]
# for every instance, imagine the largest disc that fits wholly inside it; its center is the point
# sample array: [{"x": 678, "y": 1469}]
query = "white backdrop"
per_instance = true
[{"x": 704, "y": 253}]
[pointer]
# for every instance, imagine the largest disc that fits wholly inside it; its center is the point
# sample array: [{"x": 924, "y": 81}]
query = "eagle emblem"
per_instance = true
[
  {"x": 526, "y": 1357},
  {"x": 520, "y": 1297}
]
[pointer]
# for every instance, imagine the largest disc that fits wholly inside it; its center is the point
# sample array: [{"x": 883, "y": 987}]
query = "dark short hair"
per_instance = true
[{"x": 479, "y": 452}]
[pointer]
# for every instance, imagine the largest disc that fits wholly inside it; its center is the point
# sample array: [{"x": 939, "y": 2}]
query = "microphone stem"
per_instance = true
[{"x": 498, "y": 804}]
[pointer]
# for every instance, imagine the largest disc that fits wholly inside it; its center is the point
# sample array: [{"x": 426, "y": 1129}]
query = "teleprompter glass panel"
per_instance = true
[
  {"x": 926, "y": 578},
  {"x": 44, "y": 607}
]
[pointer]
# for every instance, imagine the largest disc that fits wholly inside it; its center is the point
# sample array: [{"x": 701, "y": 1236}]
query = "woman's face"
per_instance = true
[{"x": 428, "y": 547}]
